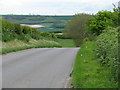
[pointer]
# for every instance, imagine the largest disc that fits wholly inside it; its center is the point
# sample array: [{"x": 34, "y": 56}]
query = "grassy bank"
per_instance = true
[
  {"x": 16, "y": 45},
  {"x": 66, "y": 42},
  {"x": 16, "y": 37},
  {"x": 87, "y": 72}
]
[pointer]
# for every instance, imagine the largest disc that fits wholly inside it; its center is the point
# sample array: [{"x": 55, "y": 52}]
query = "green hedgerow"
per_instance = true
[{"x": 107, "y": 50}]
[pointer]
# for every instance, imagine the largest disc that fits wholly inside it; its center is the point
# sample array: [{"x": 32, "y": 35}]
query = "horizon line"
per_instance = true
[{"x": 50, "y": 14}]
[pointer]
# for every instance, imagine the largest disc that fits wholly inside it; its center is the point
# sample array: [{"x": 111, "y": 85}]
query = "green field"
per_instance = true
[
  {"x": 50, "y": 29},
  {"x": 66, "y": 42},
  {"x": 51, "y": 23}
]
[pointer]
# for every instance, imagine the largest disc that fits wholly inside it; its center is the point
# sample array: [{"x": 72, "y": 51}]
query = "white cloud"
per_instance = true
[{"x": 40, "y": 6}]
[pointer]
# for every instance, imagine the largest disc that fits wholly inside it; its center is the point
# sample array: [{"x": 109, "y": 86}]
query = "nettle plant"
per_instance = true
[{"x": 107, "y": 50}]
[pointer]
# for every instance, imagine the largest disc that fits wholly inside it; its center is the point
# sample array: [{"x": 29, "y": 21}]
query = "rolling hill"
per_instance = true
[{"x": 51, "y": 23}]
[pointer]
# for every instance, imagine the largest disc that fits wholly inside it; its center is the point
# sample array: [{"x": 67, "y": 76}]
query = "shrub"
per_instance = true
[
  {"x": 7, "y": 36},
  {"x": 17, "y": 28},
  {"x": 23, "y": 37},
  {"x": 7, "y": 26},
  {"x": 46, "y": 34},
  {"x": 26, "y": 29},
  {"x": 107, "y": 50},
  {"x": 36, "y": 36},
  {"x": 88, "y": 73}
]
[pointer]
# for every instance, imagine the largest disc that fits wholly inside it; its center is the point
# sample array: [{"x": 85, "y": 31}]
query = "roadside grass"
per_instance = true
[
  {"x": 17, "y": 45},
  {"x": 66, "y": 42},
  {"x": 87, "y": 72}
]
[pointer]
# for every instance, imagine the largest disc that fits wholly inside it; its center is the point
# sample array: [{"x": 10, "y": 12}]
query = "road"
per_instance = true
[{"x": 38, "y": 68}]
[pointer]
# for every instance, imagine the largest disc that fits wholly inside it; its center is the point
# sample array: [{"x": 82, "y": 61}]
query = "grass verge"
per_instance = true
[
  {"x": 87, "y": 72},
  {"x": 17, "y": 45}
]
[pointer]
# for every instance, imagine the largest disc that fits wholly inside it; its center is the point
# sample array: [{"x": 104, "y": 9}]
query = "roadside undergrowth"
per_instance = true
[
  {"x": 87, "y": 72},
  {"x": 17, "y": 45}
]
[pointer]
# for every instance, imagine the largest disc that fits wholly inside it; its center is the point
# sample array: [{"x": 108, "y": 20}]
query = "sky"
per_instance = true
[{"x": 54, "y": 7}]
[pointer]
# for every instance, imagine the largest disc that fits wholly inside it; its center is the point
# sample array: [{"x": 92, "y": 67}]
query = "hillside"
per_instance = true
[
  {"x": 51, "y": 23},
  {"x": 16, "y": 37}
]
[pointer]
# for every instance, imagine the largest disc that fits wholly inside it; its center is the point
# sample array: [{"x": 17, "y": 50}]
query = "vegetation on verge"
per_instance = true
[
  {"x": 107, "y": 51},
  {"x": 16, "y": 45},
  {"x": 88, "y": 73},
  {"x": 97, "y": 64}
]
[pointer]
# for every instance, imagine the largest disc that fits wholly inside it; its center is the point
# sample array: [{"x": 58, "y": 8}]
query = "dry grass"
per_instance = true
[{"x": 16, "y": 45}]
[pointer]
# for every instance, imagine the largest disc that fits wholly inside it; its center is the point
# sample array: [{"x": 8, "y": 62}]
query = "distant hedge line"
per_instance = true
[{"x": 11, "y": 31}]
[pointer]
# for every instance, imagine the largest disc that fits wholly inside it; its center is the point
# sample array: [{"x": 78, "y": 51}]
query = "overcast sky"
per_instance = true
[{"x": 54, "y": 7}]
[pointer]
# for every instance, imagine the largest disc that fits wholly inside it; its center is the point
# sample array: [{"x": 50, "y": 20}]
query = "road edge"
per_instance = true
[{"x": 69, "y": 80}]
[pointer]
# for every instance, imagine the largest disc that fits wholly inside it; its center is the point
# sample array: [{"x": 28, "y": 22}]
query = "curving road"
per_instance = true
[{"x": 38, "y": 68}]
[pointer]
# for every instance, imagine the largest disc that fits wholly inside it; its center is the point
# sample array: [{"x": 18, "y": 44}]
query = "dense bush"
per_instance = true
[
  {"x": 107, "y": 50},
  {"x": 102, "y": 20},
  {"x": 25, "y": 38},
  {"x": 17, "y": 28},
  {"x": 26, "y": 29},
  {"x": 8, "y": 36},
  {"x": 7, "y": 26}
]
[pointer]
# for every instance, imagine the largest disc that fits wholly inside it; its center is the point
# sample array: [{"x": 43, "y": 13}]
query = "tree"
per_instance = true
[
  {"x": 104, "y": 19},
  {"x": 76, "y": 28},
  {"x": 117, "y": 14}
]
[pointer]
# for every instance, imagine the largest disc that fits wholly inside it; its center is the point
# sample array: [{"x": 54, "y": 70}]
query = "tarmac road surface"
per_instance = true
[{"x": 38, "y": 68}]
